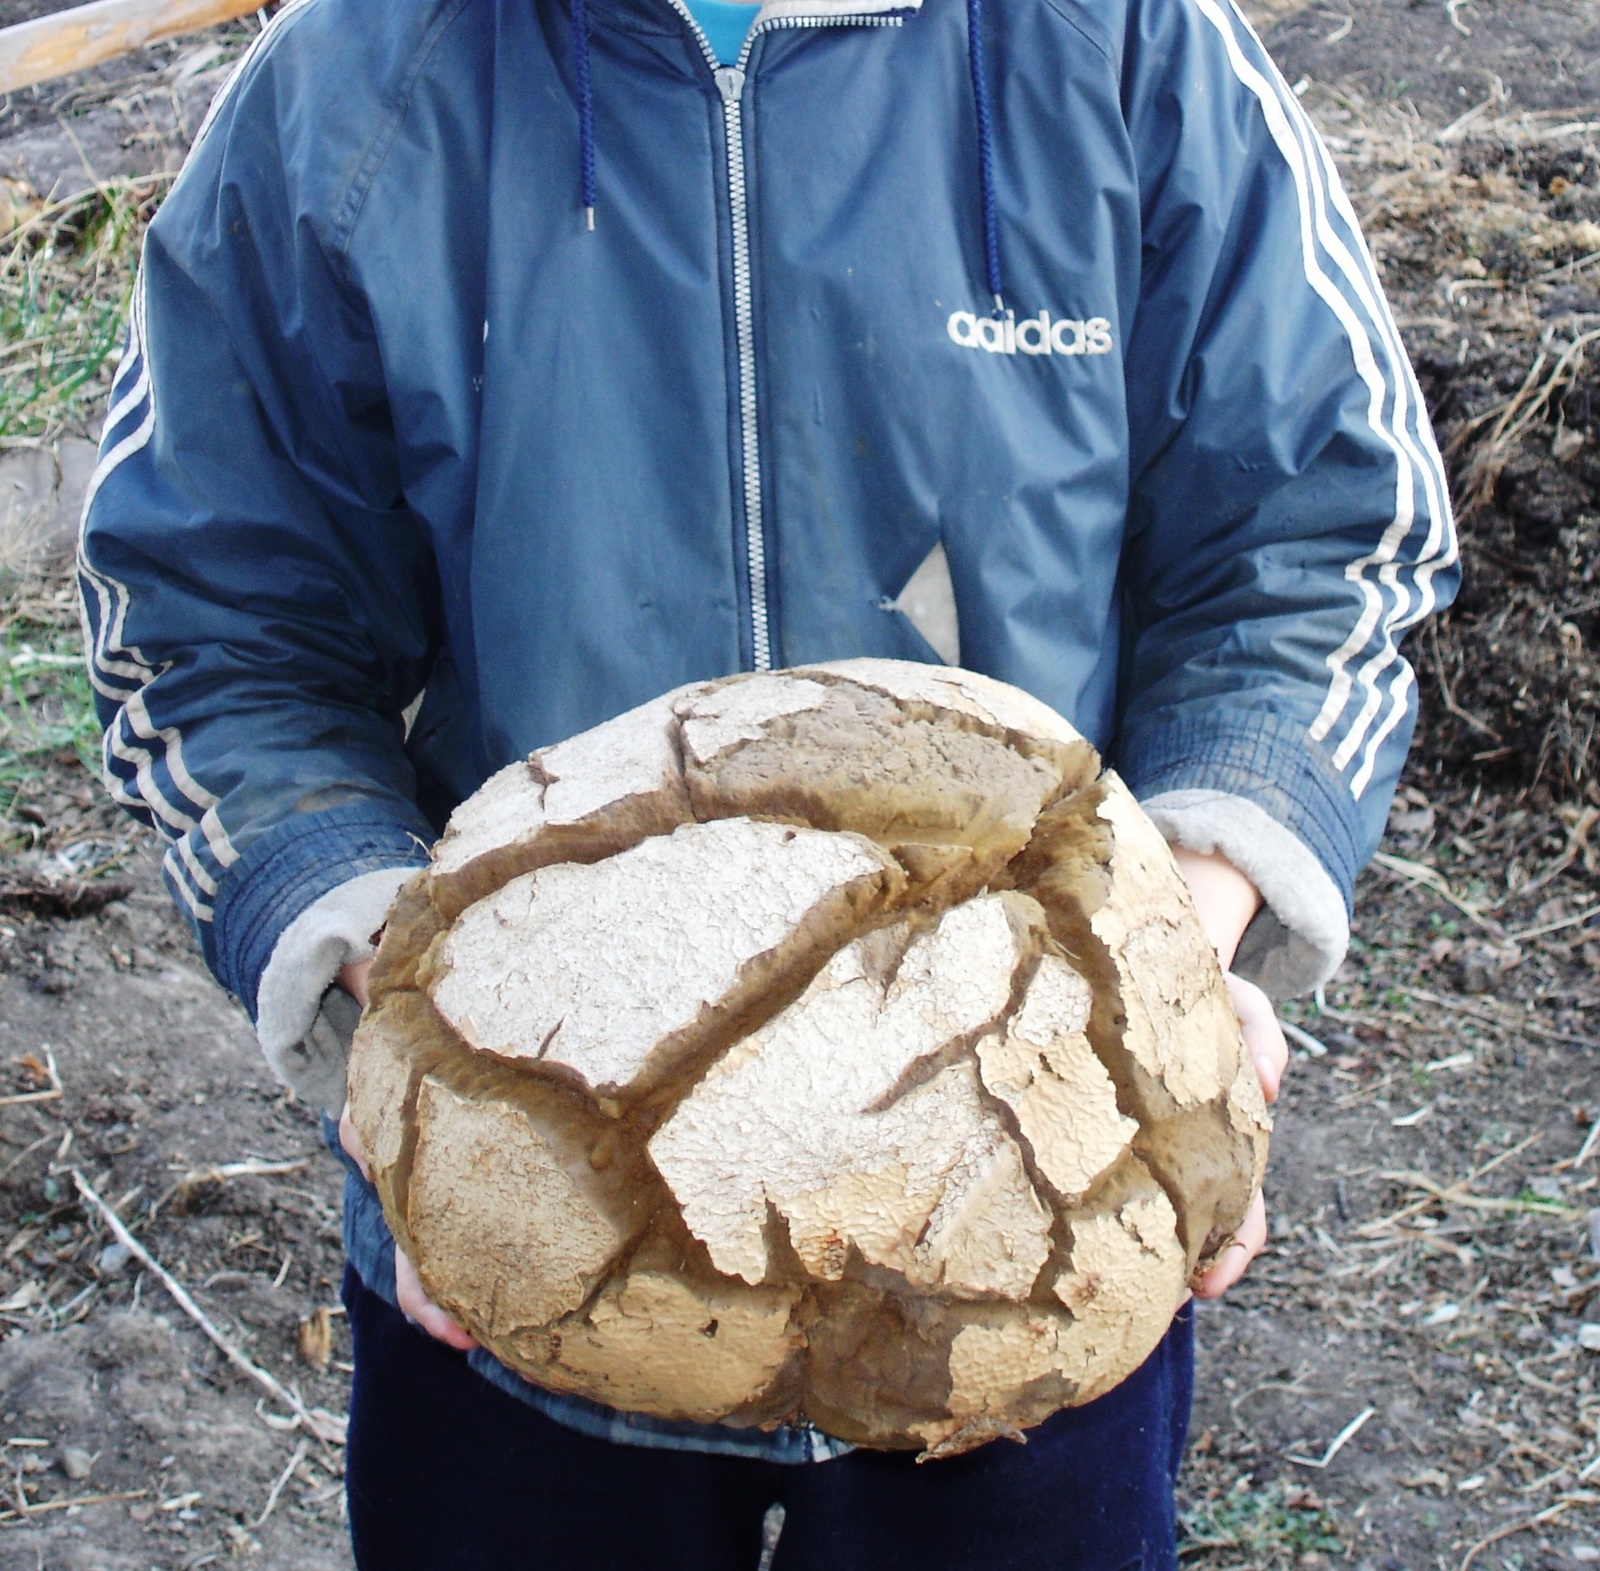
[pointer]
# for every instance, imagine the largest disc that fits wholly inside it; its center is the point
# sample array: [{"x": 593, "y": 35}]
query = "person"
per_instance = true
[{"x": 495, "y": 365}]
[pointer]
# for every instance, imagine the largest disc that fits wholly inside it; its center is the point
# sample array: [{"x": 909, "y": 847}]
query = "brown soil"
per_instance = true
[
  {"x": 162, "y": 1079},
  {"x": 1482, "y": 205},
  {"x": 1431, "y": 1257},
  {"x": 1441, "y": 59}
]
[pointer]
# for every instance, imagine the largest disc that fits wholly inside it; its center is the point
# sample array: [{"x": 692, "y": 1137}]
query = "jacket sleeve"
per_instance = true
[
  {"x": 1289, "y": 518},
  {"x": 260, "y": 604}
]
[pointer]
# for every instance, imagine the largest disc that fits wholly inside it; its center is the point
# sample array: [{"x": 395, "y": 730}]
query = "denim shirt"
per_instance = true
[{"x": 369, "y": 1247}]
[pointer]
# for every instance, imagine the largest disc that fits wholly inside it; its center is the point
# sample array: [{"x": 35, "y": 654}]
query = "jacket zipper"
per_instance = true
[{"x": 730, "y": 81}]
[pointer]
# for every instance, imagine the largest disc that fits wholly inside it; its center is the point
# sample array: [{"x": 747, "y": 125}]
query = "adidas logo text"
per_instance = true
[{"x": 1033, "y": 335}]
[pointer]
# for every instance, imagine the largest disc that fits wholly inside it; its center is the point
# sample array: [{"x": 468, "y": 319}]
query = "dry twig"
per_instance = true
[
  {"x": 1303, "y": 1038},
  {"x": 1577, "y": 845},
  {"x": 199, "y": 1178},
  {"x": 1436, "y": 1193},
  {"x": 12, "y": 1515},
  {"x": 53, "y": 1093},
  {"x": 1549, "y": 1514},
  {"x": 1467, "y": 1007},
  {"x": 1432, "y": 878},
  {"x": 25, "y": 1152},
  {"x": 281, "y": 1482},
  {"x": 1338, "y": 1443},
  {"x": 1513, "y": 418},
  {"x": 1447, "y": 692},
  {"x": 1545, "y": 928},
  {"x": 327, "y": 1427},
  {"x": 1457, "y": 1195}
]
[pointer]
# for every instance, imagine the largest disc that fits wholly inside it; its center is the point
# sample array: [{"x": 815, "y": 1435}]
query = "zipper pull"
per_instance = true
[{"x": 730, "y": 83}]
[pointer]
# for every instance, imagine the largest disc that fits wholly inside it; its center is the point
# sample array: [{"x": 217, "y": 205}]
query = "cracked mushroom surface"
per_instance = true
[{"x": 834, "y": 1045}]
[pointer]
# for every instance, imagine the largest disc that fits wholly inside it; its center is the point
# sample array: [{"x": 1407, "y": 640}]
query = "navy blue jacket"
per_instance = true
[{"x": 394, "y": 420}]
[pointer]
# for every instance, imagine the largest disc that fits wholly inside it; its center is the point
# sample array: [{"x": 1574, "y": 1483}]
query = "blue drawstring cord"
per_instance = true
[
  {"x": 580, "y": 77},
  {"x": 985, "y": 117}
]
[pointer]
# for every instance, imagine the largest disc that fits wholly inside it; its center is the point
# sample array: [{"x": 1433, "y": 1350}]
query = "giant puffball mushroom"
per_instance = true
[{"x": 835, "y": 1045}]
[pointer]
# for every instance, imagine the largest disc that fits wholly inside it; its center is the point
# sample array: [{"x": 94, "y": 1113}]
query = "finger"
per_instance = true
[
  {"x": 1247, "y": 1244},
  {"x": 350, "y": 1139},
  {"x": 421, "y": 1311},
  {"x": 1263, "y": 1036},
  {"x": 352, "y": 978}
]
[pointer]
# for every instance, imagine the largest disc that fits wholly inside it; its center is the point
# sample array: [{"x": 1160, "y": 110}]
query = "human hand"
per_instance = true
[
  {"x": 414, "y": 1303},
  {"x": 1226, "y": 901},
  {"x": 353, "y": 979},
  {"x": 1263, "y": 1040},
  {"x": 421, "y": 1310}
]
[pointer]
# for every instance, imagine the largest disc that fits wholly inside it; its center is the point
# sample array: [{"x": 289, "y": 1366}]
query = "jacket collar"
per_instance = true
[
  {"x": 830, "y": 9},
  {"x": 660, "y": 16}
]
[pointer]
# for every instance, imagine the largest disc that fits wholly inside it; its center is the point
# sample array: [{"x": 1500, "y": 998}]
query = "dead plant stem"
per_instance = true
[{"x": 325, "y": 1426}]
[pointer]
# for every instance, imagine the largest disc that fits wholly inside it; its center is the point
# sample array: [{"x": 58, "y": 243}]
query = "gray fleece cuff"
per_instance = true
[
  {"x": 1303, "y": 929},
  {"x": 303, "y": 1028}
]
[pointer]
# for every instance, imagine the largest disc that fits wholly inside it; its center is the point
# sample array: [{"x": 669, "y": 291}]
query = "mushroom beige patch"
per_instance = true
[{"x": 834, "y": 1044}]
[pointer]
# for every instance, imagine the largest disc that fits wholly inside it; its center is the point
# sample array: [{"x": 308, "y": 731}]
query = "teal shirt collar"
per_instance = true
[{"x": 726, "y": 24}]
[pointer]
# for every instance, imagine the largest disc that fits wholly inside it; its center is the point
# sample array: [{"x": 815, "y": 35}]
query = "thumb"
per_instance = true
[
  {"x": 421, "y": 1310},
  {"x": 1263, "y": 1036}
]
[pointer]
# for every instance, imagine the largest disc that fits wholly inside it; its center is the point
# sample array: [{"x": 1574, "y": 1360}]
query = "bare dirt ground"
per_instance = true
[
  {"x": 1422, "y": 1327},
  {"x": 1409, "y": 1379},
  {"x": 108, "y": 1394}
]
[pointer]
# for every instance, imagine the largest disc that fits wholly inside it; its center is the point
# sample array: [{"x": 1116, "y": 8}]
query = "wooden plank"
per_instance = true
[{"x": 87, "y": 35}]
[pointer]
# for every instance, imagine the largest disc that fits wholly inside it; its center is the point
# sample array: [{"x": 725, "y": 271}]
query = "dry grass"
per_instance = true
[
  {"x": 46, "y": 712},
  {"x": 66, "y": 275}
]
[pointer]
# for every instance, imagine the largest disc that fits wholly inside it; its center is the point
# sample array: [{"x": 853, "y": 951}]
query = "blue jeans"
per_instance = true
[{"x": 447, "y": 1473}]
